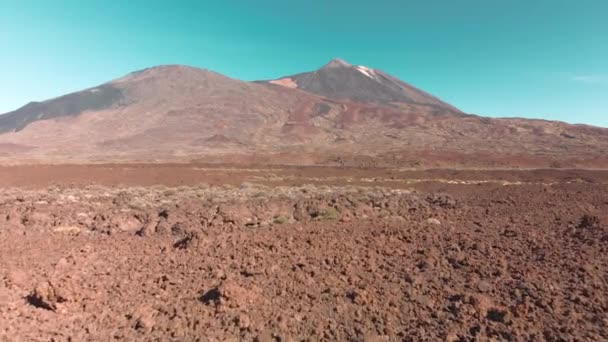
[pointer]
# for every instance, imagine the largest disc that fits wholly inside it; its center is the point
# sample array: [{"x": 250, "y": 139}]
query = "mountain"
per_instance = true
[
  {"x": 69, "y": 105},
  {"x": 339, "y": 115},
  {"x": 340, "y": 80}
]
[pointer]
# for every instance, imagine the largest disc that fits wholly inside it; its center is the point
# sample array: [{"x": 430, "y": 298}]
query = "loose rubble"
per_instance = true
[{"x": 460, "y": 263}]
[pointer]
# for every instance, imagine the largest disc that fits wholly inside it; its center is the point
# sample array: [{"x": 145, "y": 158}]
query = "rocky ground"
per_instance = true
[{"x": 455, "y": 261}]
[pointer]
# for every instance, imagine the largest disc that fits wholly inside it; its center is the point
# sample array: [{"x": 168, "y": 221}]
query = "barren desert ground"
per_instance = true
[{"x": 204, "y": 253}]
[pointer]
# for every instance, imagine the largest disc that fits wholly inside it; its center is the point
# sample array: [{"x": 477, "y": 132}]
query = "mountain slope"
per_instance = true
[
  {"x": 98, "y": 98},
  {"x": 179, "y": 113},
  {"x": 341, "y": 80},
  {"x": 164, "y": 113}
]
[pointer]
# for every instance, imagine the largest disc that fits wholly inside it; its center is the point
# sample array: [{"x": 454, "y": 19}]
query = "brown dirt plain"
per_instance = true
[{"x": 184, "y": 252}]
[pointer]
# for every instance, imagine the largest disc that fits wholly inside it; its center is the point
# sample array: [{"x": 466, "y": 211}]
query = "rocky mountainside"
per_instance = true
[
  {"x": 341, "y": 80},
  {"x": 340, "y": 114}
]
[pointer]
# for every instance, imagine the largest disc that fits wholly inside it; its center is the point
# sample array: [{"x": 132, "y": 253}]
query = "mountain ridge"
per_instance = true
[
  {"x": 181, "y": 113},
  {"x": 342, "y": 80}
]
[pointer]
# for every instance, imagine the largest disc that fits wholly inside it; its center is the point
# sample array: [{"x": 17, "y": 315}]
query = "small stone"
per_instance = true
[
  {"x": 375, "y": 338},
  {"x": 433, "y": 221},
  {"x": 423, "y": 300},
  {"x": 484, "y": 286},
  {"x": 264, "y": 336},
  {"x": 243, "y": 321},
  {"x": 452, "y": 337},
  {"x": 70, "y": 230},
  {"x": 144, "y": 319},
  {"x": 47, "y": 295},
  {"x": 482, "y": 304},
  {"x": 498, "y": 315}
]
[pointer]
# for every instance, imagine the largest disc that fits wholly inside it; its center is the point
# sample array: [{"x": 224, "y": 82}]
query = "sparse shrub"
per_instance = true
[
  {"x": 183, "y": 189},
  {"x": 324, "y": 188},
  {"x": 588, "y": 221},
  {"x": 280, "y": 219},
  {"x": 203, "y": 185},
  {"x": 170, "y": 192},
  {"x": 555, "y": 165},
  {"x": 260, "y": 194},
  {"x": 329, "y": 214},
  {"x": 138, "y": 203},
  {"x": 158, "y": 188},
  {"x": 246, "y": 185},
  {"x": 308, "y": 189}
]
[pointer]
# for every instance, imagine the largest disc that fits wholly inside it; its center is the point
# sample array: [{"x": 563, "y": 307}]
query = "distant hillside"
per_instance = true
[{"x": 340, "y": 114}]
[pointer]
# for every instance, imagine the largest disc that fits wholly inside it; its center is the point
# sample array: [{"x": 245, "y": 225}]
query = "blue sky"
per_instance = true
[{"x": 533, "y": 58}]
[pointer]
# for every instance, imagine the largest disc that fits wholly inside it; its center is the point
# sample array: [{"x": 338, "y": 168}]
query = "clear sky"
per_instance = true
[{"x": 530, "y": 58}]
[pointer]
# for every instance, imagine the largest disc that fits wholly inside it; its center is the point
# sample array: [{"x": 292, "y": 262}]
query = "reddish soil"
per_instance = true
[
  {"x": 471, "y": 259},
  {"x": 40, "y": 176}
]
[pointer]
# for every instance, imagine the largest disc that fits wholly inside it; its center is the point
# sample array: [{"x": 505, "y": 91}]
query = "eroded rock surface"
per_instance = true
[{"x": 454, "y": 263}]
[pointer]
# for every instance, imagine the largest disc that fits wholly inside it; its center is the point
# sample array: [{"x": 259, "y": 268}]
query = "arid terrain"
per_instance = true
[
  {"x": 195, "y": 252},
  {"x": 341, "y": 204},
  {"x": 338, "y": 115}
]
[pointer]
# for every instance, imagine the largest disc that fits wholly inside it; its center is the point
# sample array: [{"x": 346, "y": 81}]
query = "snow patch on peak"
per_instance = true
[{"x": 371, "y": 73}]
